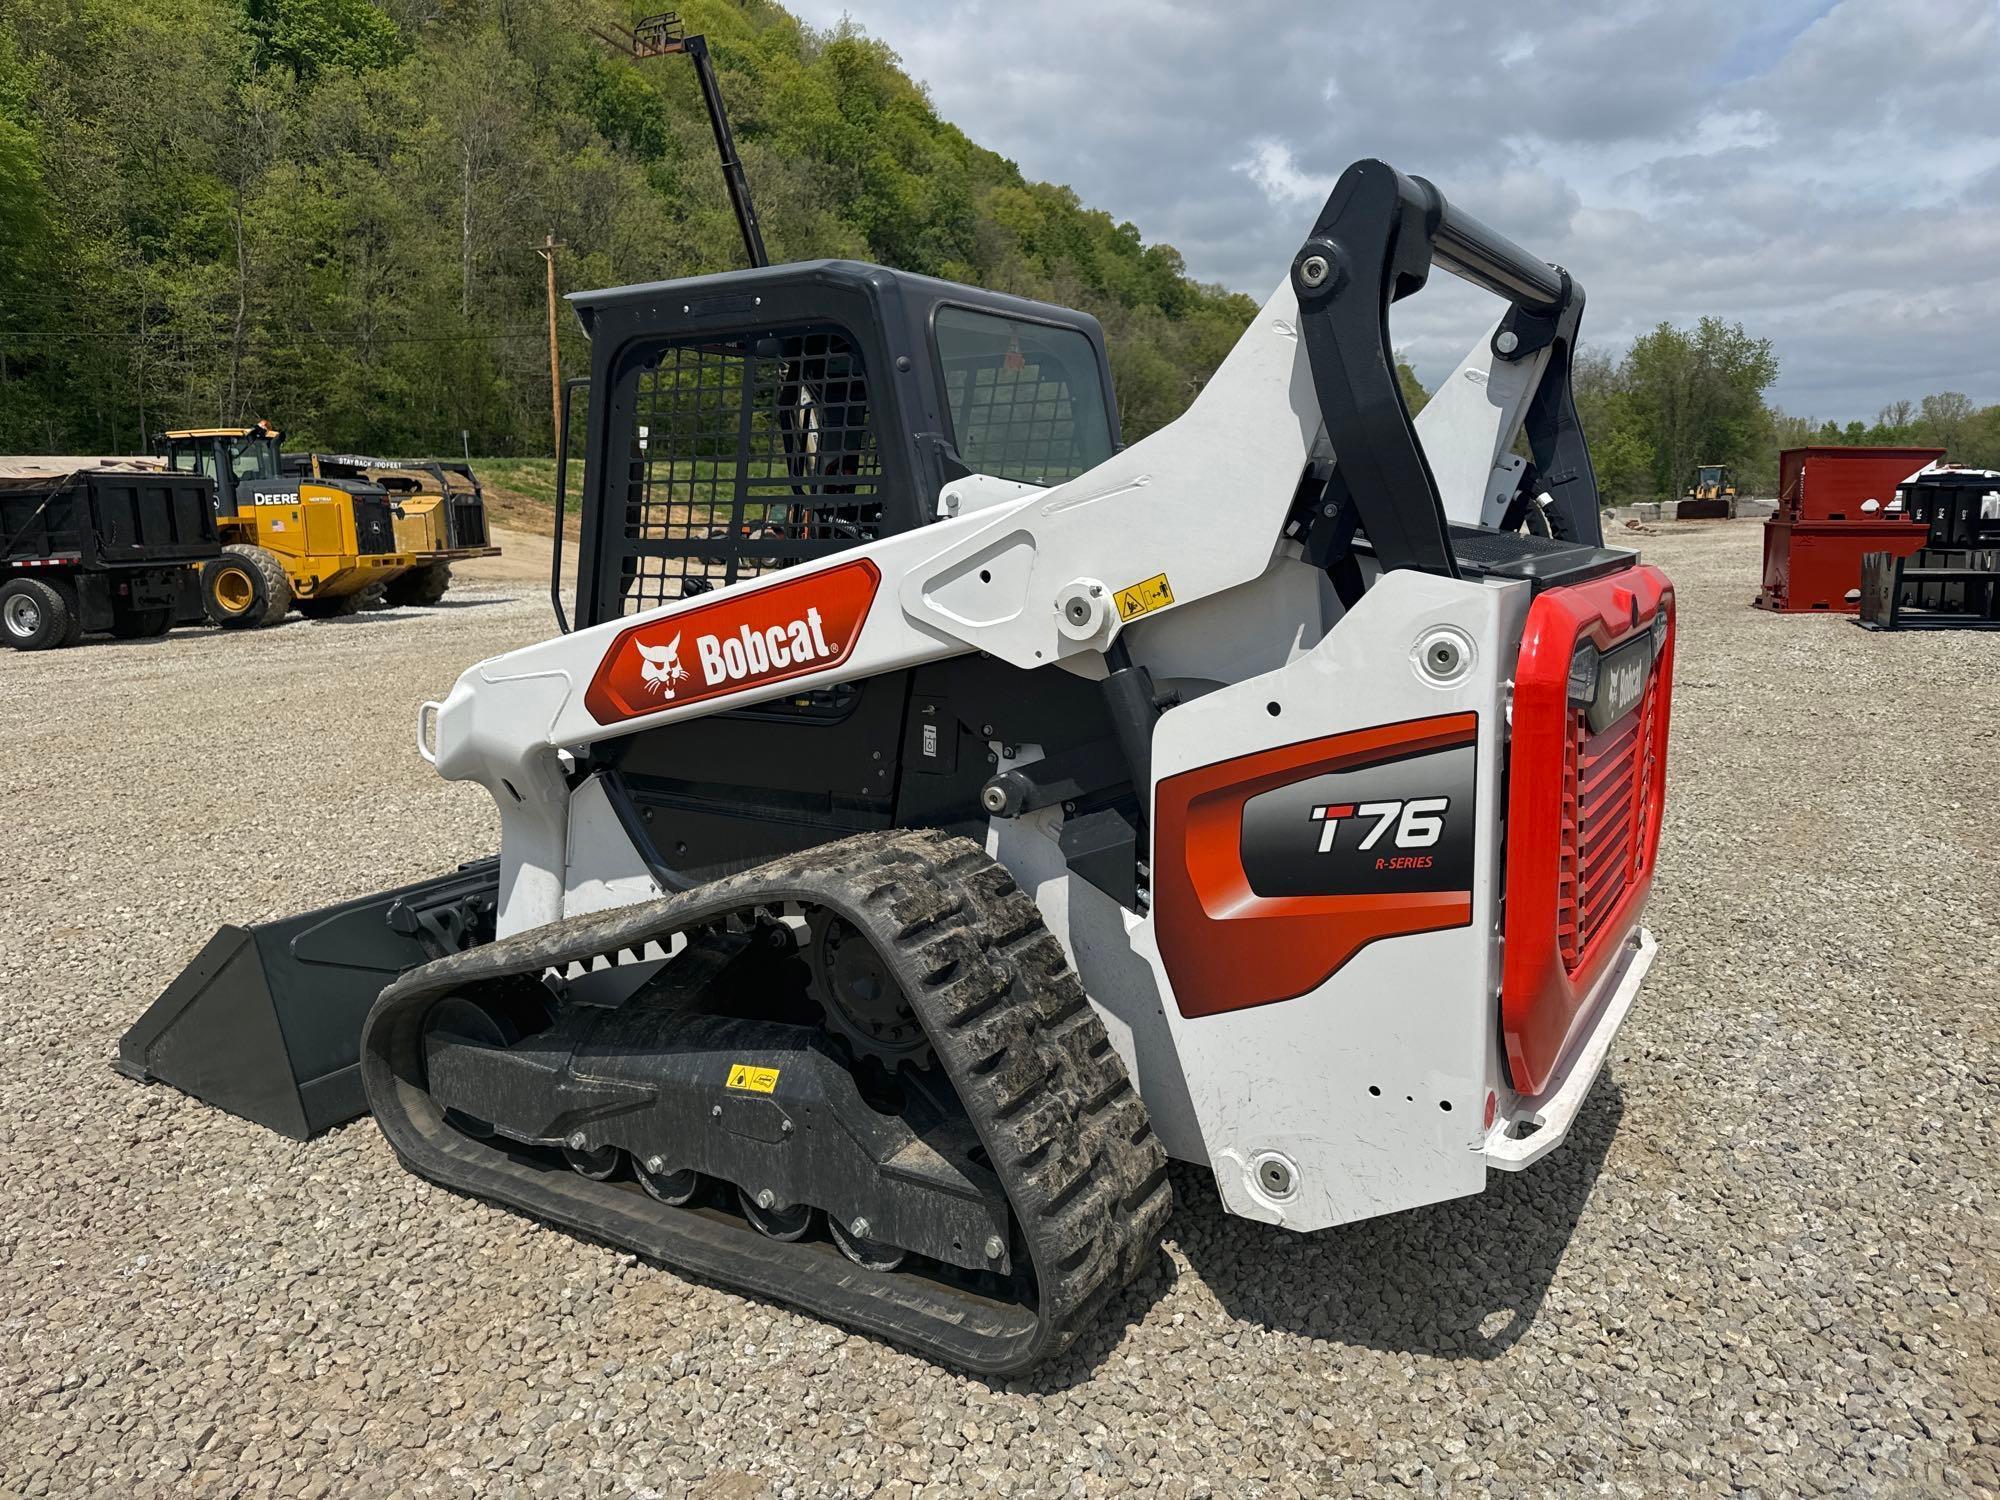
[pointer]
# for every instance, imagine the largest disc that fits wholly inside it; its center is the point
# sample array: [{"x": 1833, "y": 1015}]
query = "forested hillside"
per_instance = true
[{"x": 325, "y": 211}]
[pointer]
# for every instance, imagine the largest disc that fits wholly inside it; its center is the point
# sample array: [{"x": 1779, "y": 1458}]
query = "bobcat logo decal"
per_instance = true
[
  {"x": 660, "y": 667},
  {"x": 739, "y": 640}
]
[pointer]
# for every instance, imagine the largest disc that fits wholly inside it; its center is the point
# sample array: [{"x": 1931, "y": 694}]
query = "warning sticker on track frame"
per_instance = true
[
  {"x": 1143, "y": 598},
  {"x": 751, "y": 1080}
]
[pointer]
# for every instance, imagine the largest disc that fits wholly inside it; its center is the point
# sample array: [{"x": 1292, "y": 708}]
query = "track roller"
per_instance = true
[
  {"x": 675, "y": 1189},
  {"x": 771, "y": 1218},
  {"x": 598, "y": 1163},
  {"x": 870, "y": 1255}
]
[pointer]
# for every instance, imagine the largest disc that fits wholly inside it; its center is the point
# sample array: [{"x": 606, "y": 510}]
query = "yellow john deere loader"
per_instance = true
[
  {"x": 439, "y": 508},
  {"x": 288, "y": 541},
  {"x": 1712, "y": 496}
]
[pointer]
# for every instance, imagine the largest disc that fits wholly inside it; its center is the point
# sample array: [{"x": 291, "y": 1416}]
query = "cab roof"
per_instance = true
[{"x": 719, "y": 290}]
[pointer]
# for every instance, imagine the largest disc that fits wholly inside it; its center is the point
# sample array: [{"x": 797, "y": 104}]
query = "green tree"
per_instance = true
[
  {"x": 324, "y": 211},
  {"x": 1621, "y": 453},
  {"x": 311, "y": 37},
  {"x": 1700, "y": 395},
  {"x": 1942, "y": 418},
  {"x": 1415, "y": 397},
  {"x": 21, "y": 218},
  {"x": 1894, "y": 420},
  {"x": 1978, "y": 440}
]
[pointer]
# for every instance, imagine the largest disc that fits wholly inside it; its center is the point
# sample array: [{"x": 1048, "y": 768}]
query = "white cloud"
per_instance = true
[
  {"x": 1825, "y": 171},
  {"x": 1274, "y": 168}
]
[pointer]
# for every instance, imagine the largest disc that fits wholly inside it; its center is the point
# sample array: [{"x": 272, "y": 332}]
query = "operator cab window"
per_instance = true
[
  {"x": 186, "y": 458},
  {"x": 1027, "y": 402},
  {"x": 254, "y": 458}
]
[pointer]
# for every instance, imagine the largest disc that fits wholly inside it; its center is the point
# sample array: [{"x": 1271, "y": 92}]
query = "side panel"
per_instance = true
[
  {"x": 1364, "y": 1090},
  {"x": 1469, "y": 424},
  {"x": 324, "y": 531}
]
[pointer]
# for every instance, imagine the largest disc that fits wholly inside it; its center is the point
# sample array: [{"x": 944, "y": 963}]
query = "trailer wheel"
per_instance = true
[
  {"x": 245, "y": 588},
  {"x": 425, "y": 584},
  {"x": 130, "y": 624},
  {"x": 36, "y": 615}
]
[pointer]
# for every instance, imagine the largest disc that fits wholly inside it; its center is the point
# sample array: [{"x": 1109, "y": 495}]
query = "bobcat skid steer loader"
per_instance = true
[{"x": 940, "y": 816}]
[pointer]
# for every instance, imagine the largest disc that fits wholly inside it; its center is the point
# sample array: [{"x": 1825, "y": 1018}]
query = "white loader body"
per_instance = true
[{"x": 1382, "y": 1087}]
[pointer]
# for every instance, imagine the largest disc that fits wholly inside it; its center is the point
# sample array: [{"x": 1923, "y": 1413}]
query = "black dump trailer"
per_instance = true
[
  {"x": 1953, "y": 582},
  {"x": 98, "y": 549}
]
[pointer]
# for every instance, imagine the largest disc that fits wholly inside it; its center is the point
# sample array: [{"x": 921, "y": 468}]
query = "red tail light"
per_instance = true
[{"x": 1583, "y": 810}]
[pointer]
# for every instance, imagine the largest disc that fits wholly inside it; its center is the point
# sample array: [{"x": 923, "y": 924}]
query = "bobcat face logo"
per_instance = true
[{"x": 660, "y": 667}]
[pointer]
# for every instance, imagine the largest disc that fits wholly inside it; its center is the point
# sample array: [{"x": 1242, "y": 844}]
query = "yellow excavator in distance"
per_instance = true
[{"x": 317, "y": 545}]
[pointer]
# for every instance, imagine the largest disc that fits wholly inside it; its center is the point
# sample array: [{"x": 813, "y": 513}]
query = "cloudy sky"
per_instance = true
[{"x": 1827, "y": 173}]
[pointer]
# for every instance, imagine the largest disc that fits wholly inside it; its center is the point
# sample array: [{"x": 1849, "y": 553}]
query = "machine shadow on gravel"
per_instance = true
[
  {"x": 485, "y": 601},
  {"x": 401, "y": 613},
  {"x": 1463, "y": 1279}
]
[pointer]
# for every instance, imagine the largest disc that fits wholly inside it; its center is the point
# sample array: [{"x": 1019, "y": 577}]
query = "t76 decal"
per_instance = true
[
  {"x": 1399, "y": 825},
  {"x": 1277, "y": 867},
  {"x": 735, "y": 641}
]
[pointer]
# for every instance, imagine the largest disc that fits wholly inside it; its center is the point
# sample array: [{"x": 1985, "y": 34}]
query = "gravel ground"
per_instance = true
[{"x": 1765, "y": 1264}]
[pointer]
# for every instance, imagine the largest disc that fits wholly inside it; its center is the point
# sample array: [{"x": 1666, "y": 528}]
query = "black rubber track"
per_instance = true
[{"x": 1068, "y": 1136}]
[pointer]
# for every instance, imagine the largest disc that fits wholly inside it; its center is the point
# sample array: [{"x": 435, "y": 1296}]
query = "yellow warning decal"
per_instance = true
[
  {"x": 1144, "y": 598},
  {"x": 752, "y": 1080}
]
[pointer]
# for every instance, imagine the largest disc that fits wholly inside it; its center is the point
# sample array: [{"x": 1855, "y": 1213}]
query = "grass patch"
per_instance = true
[
  {"x": 521, "y": 492},
  {"x": 531, "y": 479}
]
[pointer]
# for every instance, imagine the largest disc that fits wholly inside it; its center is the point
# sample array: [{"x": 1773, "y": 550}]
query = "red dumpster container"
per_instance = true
[
  {"x": 1814, "y": 567},
  {"x": 1832, "y": 484}
]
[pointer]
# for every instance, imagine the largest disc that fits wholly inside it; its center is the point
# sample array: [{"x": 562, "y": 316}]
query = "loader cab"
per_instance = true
[
  {"x": 744, "y": 423},
  {"x": 227, "y": 455},
  {"x": 1713, "y": 482}
]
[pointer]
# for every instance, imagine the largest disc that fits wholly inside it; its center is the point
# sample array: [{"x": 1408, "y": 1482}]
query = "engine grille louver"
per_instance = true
[{"x": 1607, "y": 780}]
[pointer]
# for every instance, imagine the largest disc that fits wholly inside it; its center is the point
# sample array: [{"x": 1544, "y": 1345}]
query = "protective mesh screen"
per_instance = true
[{"x": 749, "y": 455}]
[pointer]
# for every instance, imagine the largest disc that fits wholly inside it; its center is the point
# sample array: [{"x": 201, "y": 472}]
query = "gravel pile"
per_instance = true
[{"x": 1765, "y": 1264}]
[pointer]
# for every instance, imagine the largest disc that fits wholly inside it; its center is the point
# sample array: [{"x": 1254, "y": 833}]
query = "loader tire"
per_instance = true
[
  {"x": 129, "y": 624},
  {"x": 39, "y": 614},
  {"x": 336, "y": 607},
  {"x": 246, "y": 588},
  {"x": 421, "y": 585}
]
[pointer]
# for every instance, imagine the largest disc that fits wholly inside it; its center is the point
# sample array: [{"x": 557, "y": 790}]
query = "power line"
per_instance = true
[{"x": 311, "y": 338}]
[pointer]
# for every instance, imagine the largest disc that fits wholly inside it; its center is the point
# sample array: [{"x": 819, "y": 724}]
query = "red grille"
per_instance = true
[
  {"x": 1583, "y": 814},
  {"x": 1606, "y": 780}
]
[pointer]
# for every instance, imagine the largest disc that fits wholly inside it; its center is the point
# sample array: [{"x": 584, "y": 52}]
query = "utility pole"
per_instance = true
[{"x": 547, "y": 251}]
